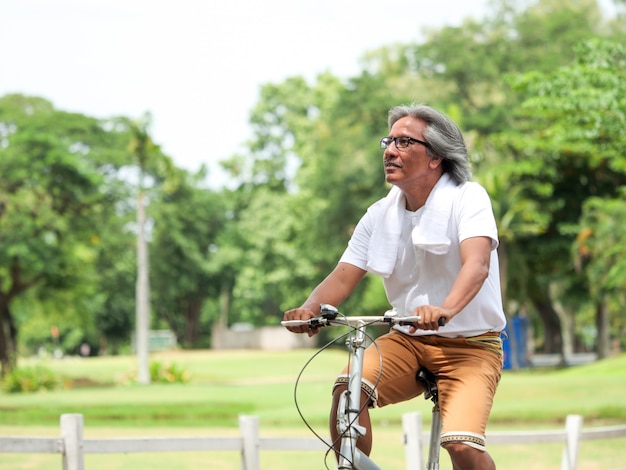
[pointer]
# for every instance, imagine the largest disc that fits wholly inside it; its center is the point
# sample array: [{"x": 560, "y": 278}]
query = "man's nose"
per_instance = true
[{"x": 391, "y": 150}]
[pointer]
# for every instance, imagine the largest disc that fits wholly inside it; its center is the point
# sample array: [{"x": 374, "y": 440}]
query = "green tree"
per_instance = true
[
  {"x": 600, "y": 251},
  {"x": 471, "y": 60},
  {"x": 516, "y": 216},
  {"x": 54, "y": 169},
  {"x": 188, "y": 219},
  {"x": 568, "y": 147},
  {"x": 258, "y": 234}
]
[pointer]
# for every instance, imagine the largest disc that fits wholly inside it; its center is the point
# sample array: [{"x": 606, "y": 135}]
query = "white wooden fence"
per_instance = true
[{"x": 73, "y": 447}]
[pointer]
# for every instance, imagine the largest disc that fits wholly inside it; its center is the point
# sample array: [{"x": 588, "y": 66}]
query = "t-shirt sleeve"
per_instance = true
[
  {"x": 475, "y": 215},
  {"x": 356, "y": 251}
]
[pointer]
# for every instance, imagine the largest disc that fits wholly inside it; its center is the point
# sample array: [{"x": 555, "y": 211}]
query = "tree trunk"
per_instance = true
[
  {"x": 192, "y": 322},
  {"x": 8, "y": 330},
  {"x": 222, "y": 322},
  {"x": 553, "y": 341},
  {"x": 8, "y": 338},
  {"x": 553, "y": 336},
  {"x": 602, "y": 325},
  {"x": 4, "y": 348}
]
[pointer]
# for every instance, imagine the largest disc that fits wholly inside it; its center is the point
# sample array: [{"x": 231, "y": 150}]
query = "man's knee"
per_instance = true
[
  {"x": 366, "y": 396},
  {"x": 464, "y": 457},
  {"x": 462, "y": 452},
  {"x": 460, "y": 449},
  {"x": 369, "y": 393}
]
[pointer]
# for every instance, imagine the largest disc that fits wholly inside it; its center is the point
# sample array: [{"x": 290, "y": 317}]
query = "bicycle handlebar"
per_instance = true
[
  {"x": 351, "y": 321},
  {"x": 330, "y": 317}
]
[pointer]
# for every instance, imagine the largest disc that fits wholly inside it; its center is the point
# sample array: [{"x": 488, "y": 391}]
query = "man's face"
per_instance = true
[{"x": 410, "y": 165}]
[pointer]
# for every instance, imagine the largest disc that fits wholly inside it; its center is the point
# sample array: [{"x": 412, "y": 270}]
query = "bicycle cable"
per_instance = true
[
  {"x": 295, "y": 397},
  {"x": 352, "y": 329}
]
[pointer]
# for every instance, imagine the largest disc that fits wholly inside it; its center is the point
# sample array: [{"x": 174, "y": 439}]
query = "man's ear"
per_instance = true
[{"x": 435, "y": 161}]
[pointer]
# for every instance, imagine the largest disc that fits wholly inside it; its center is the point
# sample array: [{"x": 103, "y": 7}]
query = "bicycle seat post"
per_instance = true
[{"x": 429, "y": 382}]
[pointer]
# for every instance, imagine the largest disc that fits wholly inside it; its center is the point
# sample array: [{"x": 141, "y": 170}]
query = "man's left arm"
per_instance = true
[{"x": 475, "y": 260}]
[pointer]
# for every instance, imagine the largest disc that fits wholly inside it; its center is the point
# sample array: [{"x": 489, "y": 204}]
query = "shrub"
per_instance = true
[
  {"x": 29, "y": 379},
  {"x": 168, "y": 373}
]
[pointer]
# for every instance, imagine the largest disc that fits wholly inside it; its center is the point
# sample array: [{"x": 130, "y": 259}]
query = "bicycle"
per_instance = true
[{"x": 349, "y": 408}]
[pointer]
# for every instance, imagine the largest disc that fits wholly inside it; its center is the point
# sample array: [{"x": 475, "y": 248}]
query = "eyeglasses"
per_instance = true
[{"x": 402, "y": 142}]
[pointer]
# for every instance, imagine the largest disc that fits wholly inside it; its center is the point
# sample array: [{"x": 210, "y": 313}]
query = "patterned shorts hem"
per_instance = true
[
  {"x": 473, "y": 440},
  {"x": 366, "y": 387}
]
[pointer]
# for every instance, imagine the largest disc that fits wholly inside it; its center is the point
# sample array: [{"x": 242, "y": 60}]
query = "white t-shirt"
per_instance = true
[{"x": 423, "y": 278}]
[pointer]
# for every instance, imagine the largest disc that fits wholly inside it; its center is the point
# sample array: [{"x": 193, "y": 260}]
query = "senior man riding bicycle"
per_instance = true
[{"x": 433, "y": 240}]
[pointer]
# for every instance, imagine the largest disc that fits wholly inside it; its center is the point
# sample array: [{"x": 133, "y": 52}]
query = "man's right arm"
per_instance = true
[{"x": 333, "y": 290}]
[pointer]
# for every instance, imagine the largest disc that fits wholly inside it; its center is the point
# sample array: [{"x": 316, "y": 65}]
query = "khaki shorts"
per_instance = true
[{"x": 467, "y": 369}]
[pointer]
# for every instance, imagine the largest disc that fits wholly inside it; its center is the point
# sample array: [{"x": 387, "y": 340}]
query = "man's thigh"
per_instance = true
[{"x": 467, "y": 378}]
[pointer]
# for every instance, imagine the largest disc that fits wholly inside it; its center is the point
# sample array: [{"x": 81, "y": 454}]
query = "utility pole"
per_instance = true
[
  {"x": 142, "y": 291},
  {"x": 141, "y": 146}
]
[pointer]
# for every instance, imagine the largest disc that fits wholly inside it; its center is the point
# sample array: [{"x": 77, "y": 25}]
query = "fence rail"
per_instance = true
[{"x": 249, "y": 444}]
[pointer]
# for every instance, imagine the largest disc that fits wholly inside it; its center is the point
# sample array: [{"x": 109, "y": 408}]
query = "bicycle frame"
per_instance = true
[{"x": 350, "y": 457}]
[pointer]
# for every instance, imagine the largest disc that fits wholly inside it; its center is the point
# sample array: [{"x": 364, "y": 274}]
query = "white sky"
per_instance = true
[{"x": 195, "y": 65}]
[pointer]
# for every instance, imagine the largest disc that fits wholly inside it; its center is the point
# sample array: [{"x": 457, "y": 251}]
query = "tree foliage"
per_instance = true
[
  {"x": 55, "y": 201},
  {"x": 187, "y": 221},
  {"x": 568, "y": 149}
]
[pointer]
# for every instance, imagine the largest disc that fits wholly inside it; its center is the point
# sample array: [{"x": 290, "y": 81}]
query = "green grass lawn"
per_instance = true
[{"x": 226, "y": 384}]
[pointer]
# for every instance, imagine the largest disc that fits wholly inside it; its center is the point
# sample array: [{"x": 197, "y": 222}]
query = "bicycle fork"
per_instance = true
[{"x": 348, "y": 427}]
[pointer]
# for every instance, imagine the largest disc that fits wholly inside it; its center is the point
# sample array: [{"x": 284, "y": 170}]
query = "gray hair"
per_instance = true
[{"x": 443, "y": 135}]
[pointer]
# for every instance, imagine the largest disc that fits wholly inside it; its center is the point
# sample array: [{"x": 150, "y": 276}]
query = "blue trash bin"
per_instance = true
[{"x": 515, "y": 345}]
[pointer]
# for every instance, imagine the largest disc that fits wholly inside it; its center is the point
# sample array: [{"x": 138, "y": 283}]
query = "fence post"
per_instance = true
[
  {"x": 573, "y": 428},
  {"x": 72, "y": 434},
  {"x": 249, "y": 427},
  {"x": 413, "y": 448}
]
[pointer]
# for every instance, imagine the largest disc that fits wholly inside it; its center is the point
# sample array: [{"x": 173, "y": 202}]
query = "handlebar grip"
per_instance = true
[
  {"x": 315, "y": 322},
  {"x": 294, "y": 322},
  {"x": 410, "y": 320}
]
